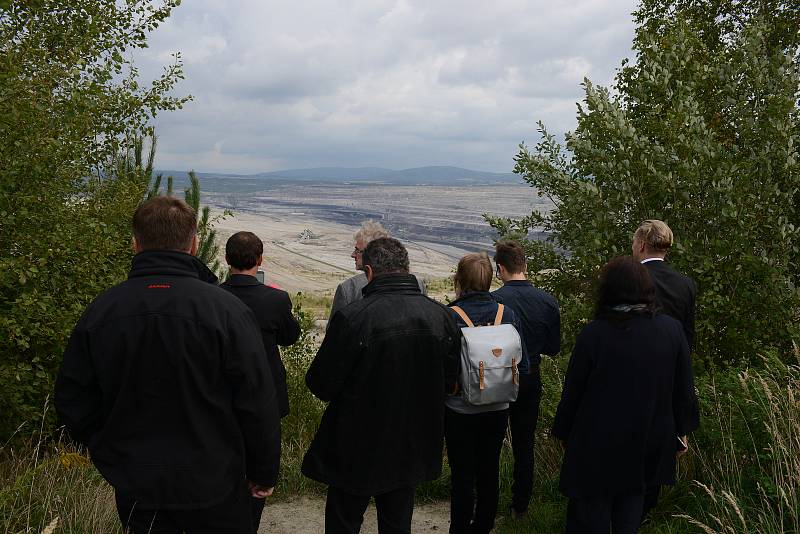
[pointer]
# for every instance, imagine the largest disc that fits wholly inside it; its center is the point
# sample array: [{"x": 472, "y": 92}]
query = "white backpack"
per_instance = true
[{"x": 489, "y": 359}]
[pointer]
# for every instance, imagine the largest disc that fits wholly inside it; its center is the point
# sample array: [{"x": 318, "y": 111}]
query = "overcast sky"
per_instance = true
[{"x": 390, "y": 83}]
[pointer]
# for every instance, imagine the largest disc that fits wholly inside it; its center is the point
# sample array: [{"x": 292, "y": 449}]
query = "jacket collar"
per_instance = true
[
  {"x": 473, "y": 296},
  {"x": 170, "y": 262},
  {"x": 390, "y": 283},
  {"x": 517, "y": 283},
  {"x": 239, "y": 280}
]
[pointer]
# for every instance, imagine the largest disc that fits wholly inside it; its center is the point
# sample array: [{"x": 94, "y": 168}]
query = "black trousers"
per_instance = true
[
  {"x": 256, "y": 509},
  {"x": 344, "y": 512},
  {"x": 231, "y": 516},
  {"x": 522, "y": 417},
  {"x": 594, "y": 515},
  {"x": 651, "y": 494},
  {"x": 473, "y": 450}
]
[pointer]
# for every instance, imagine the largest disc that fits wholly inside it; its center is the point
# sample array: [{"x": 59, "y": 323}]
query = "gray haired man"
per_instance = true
[{"x": 349, "y": 290}]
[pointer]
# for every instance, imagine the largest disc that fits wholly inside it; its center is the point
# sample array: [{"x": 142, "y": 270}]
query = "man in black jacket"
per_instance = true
[
  {"x": 383, "y": 367},
  {"x": 540, "y": 327},
  {"x": 244, "y": 253},
  {"x": 271, "y": 306},
  {"x": 165, "y": 380},
  {"x": 675, "y": 293}
]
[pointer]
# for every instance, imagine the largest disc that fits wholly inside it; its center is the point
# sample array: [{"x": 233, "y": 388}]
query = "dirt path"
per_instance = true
[{"x": 306, "y": 515}]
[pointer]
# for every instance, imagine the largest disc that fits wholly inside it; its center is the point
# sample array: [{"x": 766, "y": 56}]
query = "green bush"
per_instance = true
[
  {"x": 701, "y": 131},
  {"x": 69, "y": 100}
]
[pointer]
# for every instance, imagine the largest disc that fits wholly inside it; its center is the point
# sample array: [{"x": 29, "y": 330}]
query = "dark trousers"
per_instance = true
[
  {"x": 522, "y": 417},
  {"x": 231, "y": 516},
  {"x": 594, "y": 515},
  {"x": 650, "y": 499},
  {"x": 256, "y": 509},
  {"x": 344, "y": 512},
  {"x": 473, "y": 450}
]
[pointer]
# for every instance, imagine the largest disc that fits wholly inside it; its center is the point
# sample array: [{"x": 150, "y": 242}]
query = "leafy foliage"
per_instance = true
[
  {"x": 69, "y": 100},
  {"x": 701, "y": 131}
]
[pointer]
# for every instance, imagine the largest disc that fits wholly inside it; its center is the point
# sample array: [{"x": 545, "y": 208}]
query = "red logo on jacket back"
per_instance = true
[{"x": 159, "y": 286}]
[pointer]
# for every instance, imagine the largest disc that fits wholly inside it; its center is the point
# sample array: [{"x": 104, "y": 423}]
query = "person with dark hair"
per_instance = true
[
  {"x": 383, "y": 368},
  {"x": 272, "y": 307},
  {"x": 166, "y": 381},
  {"x": 627, "y": 405},
  {"x": 474, "y": 433},
  {"x": 540, "y": 327}
]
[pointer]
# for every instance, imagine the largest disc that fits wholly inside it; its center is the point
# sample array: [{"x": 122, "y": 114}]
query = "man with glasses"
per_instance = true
[{"x": 349, "y": 290}]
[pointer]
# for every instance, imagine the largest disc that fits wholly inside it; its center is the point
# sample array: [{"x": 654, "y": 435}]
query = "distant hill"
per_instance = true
[{"x": 435, "y": 175}]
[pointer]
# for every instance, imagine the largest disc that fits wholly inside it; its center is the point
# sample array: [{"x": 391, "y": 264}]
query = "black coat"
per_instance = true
[
  {"x": 628, "y": 394},
  {"x": 382, "y": 367},
  {"x": 166, "y": 381},
  {"x": 675, "y": 294},
  {"x": 273, "y": 310}
]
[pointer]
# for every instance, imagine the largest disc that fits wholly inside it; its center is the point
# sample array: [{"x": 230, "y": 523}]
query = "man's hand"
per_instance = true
[
  {"x": 685, "y": 441},
  {"x": 259, "y": 492}
]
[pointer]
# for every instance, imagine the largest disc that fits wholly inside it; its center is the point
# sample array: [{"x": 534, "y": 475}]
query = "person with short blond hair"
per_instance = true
[
  {"x": 675, "y": 293},
  {"x": 655, "y": 236},
  {"x": 350, "y": 290}
]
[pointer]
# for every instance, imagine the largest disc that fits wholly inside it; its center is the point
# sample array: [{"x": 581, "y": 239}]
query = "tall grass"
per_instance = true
[
  {"x": 748, "y": 473},
  {"x": 50, "y": 486}
]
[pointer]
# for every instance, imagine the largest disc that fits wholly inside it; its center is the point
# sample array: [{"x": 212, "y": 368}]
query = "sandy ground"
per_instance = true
[
  {"x": 306, "y": 515},
  {"x": 319, "y": 263}
]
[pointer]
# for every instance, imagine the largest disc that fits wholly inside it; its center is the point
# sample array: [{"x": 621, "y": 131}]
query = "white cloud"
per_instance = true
[{"x": 378, "y": 82}]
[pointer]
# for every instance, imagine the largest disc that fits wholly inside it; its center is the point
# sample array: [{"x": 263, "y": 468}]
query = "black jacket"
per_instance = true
[
  {"x": 166, "y": 381},
  {"x": 273, "y": 310},
  {"x": 538, "y": 318},
  {"x": 628, "y": 393},
  {"x": 675, "y": 294},
  {"x": 382, "y": 367}
]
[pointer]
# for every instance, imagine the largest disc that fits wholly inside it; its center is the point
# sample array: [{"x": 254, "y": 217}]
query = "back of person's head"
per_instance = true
[
  {"x": 243, "y": 250},
  {"x": 511, "y": 256},
  {"x": 164, "y": 223},
  {"x": 474, "y": 273},
  {"x": 369, "y": 231},
  {"x": 655, "y": 234},
  {"x": 624, "y": 281},
  {"x": 386, "y": 255}
]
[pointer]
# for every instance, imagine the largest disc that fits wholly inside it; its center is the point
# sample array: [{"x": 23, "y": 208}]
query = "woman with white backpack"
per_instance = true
[{"x": 475, "y": 413}]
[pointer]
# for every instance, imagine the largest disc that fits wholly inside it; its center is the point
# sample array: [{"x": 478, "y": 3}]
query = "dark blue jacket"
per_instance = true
[{"x": 538, "y": 317}]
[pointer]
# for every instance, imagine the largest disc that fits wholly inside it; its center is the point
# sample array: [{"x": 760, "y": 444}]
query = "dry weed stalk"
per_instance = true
[{"x": 772, "y": 393}]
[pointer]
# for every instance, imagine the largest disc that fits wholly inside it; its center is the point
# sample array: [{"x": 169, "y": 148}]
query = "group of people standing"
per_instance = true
[{"x": 176, "y": 386}]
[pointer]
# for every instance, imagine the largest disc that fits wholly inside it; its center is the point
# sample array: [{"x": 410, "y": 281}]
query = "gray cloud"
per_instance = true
[{"x": 381, "y": 82}]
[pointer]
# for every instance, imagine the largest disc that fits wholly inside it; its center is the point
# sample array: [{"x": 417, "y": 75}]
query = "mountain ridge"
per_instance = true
[{"x": 427, "y": 175}]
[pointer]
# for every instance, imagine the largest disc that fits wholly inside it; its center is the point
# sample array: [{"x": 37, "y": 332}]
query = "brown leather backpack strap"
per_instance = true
[
  {"x": 463, "y": 315},
  {"x": 498, "y": 319}
]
